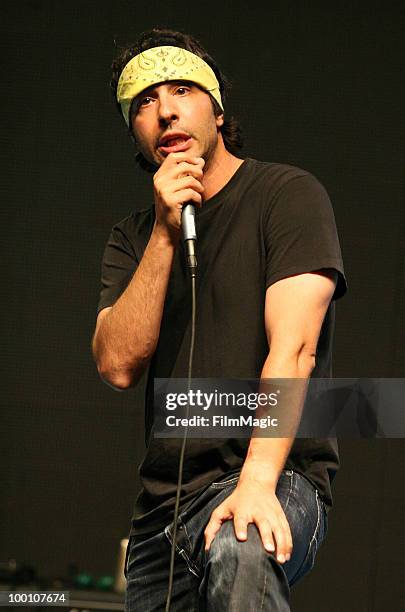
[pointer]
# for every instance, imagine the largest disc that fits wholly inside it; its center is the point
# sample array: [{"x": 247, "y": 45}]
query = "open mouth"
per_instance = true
[{"x": 175, "y": 144}]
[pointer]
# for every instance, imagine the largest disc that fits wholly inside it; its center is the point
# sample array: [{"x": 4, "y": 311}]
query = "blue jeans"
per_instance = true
[{"x": 233, "y": 576}]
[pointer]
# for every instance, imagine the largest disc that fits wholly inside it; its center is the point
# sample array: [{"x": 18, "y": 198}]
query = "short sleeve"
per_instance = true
[
  {"x": 301, "y": 234},
  {"x": 118, "y": 266}
]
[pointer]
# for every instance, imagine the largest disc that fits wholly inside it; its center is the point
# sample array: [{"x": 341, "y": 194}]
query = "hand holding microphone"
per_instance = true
[{"x": 178, "y": 189}]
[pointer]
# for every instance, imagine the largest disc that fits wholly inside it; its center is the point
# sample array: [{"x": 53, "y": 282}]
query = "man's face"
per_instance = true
[{"x": 175, "y": 116}]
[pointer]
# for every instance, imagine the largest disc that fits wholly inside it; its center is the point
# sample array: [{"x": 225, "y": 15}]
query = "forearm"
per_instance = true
[
  {"x": 266, "y": 456},
  {"x": 127, "y": 337}
]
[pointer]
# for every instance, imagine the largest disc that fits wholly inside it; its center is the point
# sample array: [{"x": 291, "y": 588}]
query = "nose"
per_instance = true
[{"x": 167, "y": 110}]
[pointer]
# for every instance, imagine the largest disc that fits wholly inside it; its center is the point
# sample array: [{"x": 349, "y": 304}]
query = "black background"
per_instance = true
[{"x": 318, "y": 85}]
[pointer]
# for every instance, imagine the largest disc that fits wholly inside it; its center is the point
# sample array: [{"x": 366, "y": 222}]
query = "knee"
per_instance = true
[{"x": 227, "y": 549}]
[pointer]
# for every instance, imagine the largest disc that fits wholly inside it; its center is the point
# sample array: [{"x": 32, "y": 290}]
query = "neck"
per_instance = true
[{"x": 219, "y": 169}]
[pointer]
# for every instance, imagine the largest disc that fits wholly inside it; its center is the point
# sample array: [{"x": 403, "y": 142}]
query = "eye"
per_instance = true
[
  {"x": 182, "y": 89},
  {"x": 145, "y": 101}
]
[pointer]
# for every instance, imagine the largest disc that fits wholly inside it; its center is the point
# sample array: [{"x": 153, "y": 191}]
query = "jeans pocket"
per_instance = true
[
  {"x": 232, "y": 479},
  {"x": 225, "y": 483}
]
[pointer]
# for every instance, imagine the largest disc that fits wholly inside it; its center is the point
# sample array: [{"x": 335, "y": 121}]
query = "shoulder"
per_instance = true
[
  {"x": 281, "y": 176},
  {"x": 135, "y": 226},
  {"x": 131, "y": 234},
  {"x": 134, "y": 222},
  {"x": 283, "y": 189},
  {"x": 275, "y": 171}
]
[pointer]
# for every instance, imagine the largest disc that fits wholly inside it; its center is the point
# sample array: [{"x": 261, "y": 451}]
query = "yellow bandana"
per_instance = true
[{"x": 161, "y": 64}]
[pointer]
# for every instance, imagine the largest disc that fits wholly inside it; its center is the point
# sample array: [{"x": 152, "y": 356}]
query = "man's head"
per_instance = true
[{"x": 189, "y": 108}]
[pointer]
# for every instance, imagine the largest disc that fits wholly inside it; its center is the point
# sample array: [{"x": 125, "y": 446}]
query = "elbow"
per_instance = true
[
  {"x": 114, "y": 372},
  {"x": 292, "y": 363},
  {"x": 120, "y": 379},
  {"x": 118, "y": 383},
  {"x": 306, "y": 361}
]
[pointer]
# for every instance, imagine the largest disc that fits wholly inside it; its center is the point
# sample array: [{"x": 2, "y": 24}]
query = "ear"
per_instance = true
[{"x": 220, "y": 120}]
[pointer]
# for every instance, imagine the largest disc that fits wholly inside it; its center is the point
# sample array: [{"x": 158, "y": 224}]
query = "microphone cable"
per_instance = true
[{"x": 192, "y": 265}]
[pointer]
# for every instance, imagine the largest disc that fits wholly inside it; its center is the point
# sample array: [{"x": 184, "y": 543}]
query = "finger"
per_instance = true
[
  {"x": 240, "y": 524},
  {"x": 187, "y": 195},
  {"x": 211, "y": 529},
  {"x": 288, "y": 536},
  {"x": 165, "y": 176},
  {"x": 185, "y": 168},
  {"x": 266, "y": 534},
  {"x": 180, "y": 156},
  {"x": 187, "y": 182},
  {"x": 287, "y": 533},
  {"x": 281, "y": 544}
]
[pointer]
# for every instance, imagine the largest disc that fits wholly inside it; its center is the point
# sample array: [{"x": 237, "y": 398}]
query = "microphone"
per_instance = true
[{"x": 189, "y": 236}]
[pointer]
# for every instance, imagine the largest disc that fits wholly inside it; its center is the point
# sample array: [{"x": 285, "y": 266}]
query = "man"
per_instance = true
[{"x": 252, "y": 512}]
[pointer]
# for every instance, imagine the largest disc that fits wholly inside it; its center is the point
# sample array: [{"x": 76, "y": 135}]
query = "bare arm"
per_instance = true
[
  {"x": 127, "y": 333},
  {"x": 294, "y": 312}
]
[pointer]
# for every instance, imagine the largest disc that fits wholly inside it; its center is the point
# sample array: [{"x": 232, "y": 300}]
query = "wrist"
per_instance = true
[
  {"x": 259, "y": 471},
  {"x": 165, "y": 236}
]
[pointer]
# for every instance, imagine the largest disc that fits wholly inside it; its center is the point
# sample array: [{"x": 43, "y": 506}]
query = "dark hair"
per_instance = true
[{"x": 231, "y": 131}]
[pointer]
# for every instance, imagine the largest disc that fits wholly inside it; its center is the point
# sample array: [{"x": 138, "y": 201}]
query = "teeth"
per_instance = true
[{"x": 174, "y": 141}]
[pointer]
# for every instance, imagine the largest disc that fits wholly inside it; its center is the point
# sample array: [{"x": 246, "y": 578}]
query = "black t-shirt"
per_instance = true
[{"x": 268, "y": 222}]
